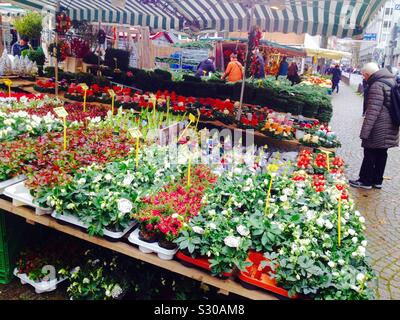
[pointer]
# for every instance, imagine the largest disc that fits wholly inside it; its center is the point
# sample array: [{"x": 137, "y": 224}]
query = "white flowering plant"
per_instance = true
[
  {"x": 98, "y": 278},
  {"x": 223, "y": 231},
  {"x": 13, "y": 125},
  {"x": 106, "y": 197},
  {"x": 309, "y": 258}
]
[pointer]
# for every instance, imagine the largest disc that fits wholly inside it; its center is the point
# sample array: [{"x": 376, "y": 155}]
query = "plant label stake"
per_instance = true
[
  {"x": 8, "y": 83},
  {"x": 62, "y": 113},
  {"x": 189, "y": 170},
  {"x": 111, "y": 92},
  {"x": 85, "y": 88},
  {"x": 136, "y": 134},
  {"x": 192, "y": 118},
  {"x": 328, "y": 165},
  {"x": 272, "y": 168},
  {"x": 168, "y": 105},
  {"x": 339, "y": 218}
]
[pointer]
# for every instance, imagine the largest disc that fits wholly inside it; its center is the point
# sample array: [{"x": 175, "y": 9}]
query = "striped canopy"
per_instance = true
[{"x": 341, "y": 18}]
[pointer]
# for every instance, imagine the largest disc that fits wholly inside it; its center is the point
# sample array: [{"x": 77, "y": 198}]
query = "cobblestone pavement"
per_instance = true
[{"x": 381, "y": 208}]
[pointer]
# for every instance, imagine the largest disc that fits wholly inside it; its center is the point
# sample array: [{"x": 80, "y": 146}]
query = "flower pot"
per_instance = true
[
  {"x": 259, "y": 277},
  {"x": 149, "y": 237},
  {"x": 72, "y": 64},
  {"x": 299, "y": 134},
  {"x": 201, "y": 262},
  {"x": 167, "y": 244}
]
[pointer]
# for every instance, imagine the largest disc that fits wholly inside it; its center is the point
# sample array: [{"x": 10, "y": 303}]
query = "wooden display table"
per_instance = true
[{"x": 225, "y": 286}]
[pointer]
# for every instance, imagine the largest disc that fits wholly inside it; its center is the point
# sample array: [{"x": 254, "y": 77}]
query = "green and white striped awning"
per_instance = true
[
  {"x": 132, "y": 13},
  {"x": 7, "y": 9},
  {"x": 341, "y": 18}
]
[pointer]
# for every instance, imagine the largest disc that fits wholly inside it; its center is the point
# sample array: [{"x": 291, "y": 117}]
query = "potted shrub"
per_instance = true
[{"x": 30, "y": 26}]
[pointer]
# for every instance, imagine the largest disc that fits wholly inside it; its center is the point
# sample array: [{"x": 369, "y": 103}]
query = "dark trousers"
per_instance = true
[
  {"x": 335, "y": 86},
  {"x": 373, "y": 166}
]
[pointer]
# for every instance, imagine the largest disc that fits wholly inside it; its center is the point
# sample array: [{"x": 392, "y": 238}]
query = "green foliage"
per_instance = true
[
  {"x": 29, "y": 25},
  {"x": 35, "y": 55}
]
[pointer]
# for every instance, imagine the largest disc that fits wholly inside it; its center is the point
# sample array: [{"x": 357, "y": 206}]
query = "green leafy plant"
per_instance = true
[{"x": 29, "y": 25}]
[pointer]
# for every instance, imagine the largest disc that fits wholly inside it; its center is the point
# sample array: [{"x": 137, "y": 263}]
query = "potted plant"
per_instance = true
[{"x": 30, "y": 26}]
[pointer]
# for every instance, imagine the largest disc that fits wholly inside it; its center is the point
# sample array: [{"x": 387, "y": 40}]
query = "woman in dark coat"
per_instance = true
[
  {"x": 378, "y": 133},
  {"x": 336, "y": 77}
]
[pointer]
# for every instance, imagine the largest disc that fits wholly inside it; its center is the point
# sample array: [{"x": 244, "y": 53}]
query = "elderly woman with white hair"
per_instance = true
[{"x": 378, "y": 132}]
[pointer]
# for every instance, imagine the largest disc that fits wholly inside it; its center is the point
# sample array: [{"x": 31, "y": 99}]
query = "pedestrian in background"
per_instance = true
[
  {"x": 234, "y": 70},
  {"x": 283, "y": 68},
  {"x": 336, "y": 77},
  {"x": 378, "y": 132},
  {"x": 205, "y": 67},
  {"x": 293, "y": 73}
]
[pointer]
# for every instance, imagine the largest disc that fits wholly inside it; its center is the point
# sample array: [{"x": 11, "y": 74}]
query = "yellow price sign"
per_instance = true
[
  {"x": 8, "y": 83},
  {"x": 192, "y": 118},
  {"x": 111, "y": 92},
  {"x": 84, "y": 86},
  {"x": 328, "y": 164},
  {"x": 61, "y": 112},
  {"x": 135, "y": 133}
]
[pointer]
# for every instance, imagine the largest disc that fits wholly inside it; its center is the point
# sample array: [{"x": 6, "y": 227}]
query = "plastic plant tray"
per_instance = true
[
  {"x": 10, "y": 182},
  {"x": 22, "y": 197},
  {"x": 40, "y": 287},
  {"x": 147, "y": 247},
  {"x": 201, "y": 262},
  {"x": 259, "y": 276},
  {"x": 75, "y": 221}
]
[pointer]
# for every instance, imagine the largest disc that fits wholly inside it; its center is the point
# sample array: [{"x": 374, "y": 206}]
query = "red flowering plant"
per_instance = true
[
  {"x": 46, "y": 164},
  {"x": 75, "y": 111},
  {"x": 79, "y": 48},
  {"x": 45, "y": 86},
  {"x": 224, "y": 111},
  {"x": 164, "y": 214},
  {"x": 75, "y": 92},
  {"x": 54, "y": 166}
]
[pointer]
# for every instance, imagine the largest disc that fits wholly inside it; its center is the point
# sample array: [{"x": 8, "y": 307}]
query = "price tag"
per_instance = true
[
  {"x": 135, "y": 133},
  {"x": 84, "y": 86},
  {"x": 61, "y": 112},
  {"x": 111, "y": 92},
  {"x": 8, "y": 83},
  {"x": 192, "y": 118}
]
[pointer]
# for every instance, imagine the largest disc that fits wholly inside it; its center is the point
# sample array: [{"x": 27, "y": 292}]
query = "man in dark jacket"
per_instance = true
[
  {"x": 378, "y": 133},
  {"x": 205, "y": 67},
  {"x": 336, "y": 77},
  {"x": 21, "y": 46}
]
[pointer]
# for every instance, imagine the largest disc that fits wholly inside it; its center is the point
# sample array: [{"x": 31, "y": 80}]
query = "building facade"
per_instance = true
[{"x": 379, "y": 35}]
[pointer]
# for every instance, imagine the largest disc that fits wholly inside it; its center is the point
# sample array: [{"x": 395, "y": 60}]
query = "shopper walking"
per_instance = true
[
  {"x": 283, "y": 68},
  {"x": 336, "y": 77},
  {"x": 205, "y": 67},
  {"x": 234, "y": 70},
  {"x": 378, "y": 132}
]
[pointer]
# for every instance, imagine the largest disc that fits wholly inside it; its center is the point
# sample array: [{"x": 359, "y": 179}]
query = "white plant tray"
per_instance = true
[
  {"x": 22, "y": 197},
  {"x": 75, "y": 221},
  {"x": 10, "y": 182},
  {"x": 40, "y": 287},
  {"x": 147, "y": 247}
]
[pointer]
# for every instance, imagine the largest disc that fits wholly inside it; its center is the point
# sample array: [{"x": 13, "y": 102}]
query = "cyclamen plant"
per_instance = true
[{"x": 15, "y": 124}]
